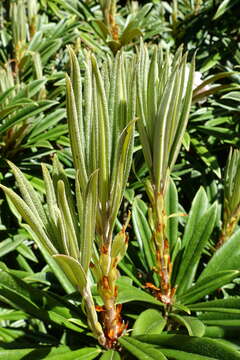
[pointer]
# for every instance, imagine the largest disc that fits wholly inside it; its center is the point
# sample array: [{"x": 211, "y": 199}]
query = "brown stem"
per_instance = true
[
  {"x": 109, "y": 14},
  {"x": 113, "y": 324},
  {"x": 161, "y": 242}
]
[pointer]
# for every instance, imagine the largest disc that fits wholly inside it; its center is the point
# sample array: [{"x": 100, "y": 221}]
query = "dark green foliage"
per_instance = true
[{"x": 49, "y": 304}]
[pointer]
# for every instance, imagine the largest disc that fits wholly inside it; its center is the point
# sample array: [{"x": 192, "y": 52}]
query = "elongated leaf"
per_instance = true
[
  {"x": 74, "y": 132},
  {"x": 88, "y": 222},
  {"x": 47, "y": 122},
  {"x": 159, "y": 146},
  {"x": 183, "y": 355},
  {"x": 5, "y": 94},
  {"x": 24, "y": 297},
  {"x": 229, "y": 305},
  {"x": 103, "y": 135},
  {"x": 142, "y": 230},
  {"x": 222, "y": 332},
  {"x": 209, "y": 159},
  {"x": 194, "y": 326},
  {"x": 68, "y": 223},
  {"x": 29, "y": 217},
  {"x": 207, "y": 286},
  {"x": 149, "y": 322},
  {"x": 56, "y": 269},
  {"x": 226, "y": 258},
  {"x": 211, "y": 79},
  {"x": 26, "y": 113},
  {"x": 141, "y": 350},
  {"x": 130, "y": 293},
  {"x": 76, "y": 81},
  {"x": 196, "y": 345},
  {"x": 60, "y": 353},
  {"x": 8, "y": 245},
  {"x": 87, "y": 353},
  {"x": 193, "y": 251},
  {"x": 50, "y": 193},
  {"x": 29, "y": 194},
  {"x": 29, "y": 90},
  {"x": 13, "y": 315},
  {"x": 122, "y": 168},
  {"x": 172, "y": 209},
  {"x": 198, "y": 208},
  {"x": 182, "y": 123},
  {"x": 110, "y": 355},
  {"x": 223, "y": 7}
]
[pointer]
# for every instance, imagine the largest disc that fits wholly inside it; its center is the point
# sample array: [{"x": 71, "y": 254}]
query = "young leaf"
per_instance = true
[
  {"x": 73, "y": 270},
  {"x": 88, "y": 222},
  {"x": 149, "y": 321},
  {"x": 30, "y": 218}
]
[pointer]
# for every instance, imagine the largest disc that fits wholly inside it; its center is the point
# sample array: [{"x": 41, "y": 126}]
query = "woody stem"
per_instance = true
[{"x": 164, "y": 266}]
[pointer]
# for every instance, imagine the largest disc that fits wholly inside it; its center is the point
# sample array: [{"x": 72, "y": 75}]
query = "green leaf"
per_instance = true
[
  {"x": 121, "y": 169},
  {"x": 74, "y": 133},
  {"x": 26, "y": 114},
  {"x": 194, "y": 248},
  {"x": 87, "y": 353},
  {"x": 8, "y": 245},
  {"x": 129, "y": 34},
  {"x": 160, "y": 164},
  {"x": 186, "y": 140},
  {"x": 110, "y": 355},
  {"x": 130, "y": 293},
  {"x": 72, "y": 269},
  {"x": 209, "y": 159},
  {"x": 102, "y": 29},
  {"x": 103, "y": 131},
  {"x": 24, "y": 297},
  {"x": 233, "y": 95},
  {"x": 210, "y": 79},
  {"x": 141, "y": 350},
  {"x": 60, "y": 353},
  {"x": 13, "y": 315},
  {"x": 207, "y": 286},
  {"x": 195, "y": 345},
  {"x": 48, "y": 121},
  {"x": 67, "y": 222},
  {"x": 29, "y": 90},
  {"x": 198, "y": 208},
  {"x": 149, "y": 321},
  {"x": 30, "y": 218},
  {"x": 227, "y": 257},
  {"x": 221, "y": 322},
  {"x": 30, "y": 196},
  {"x": 89, "y": 221},
  {"x": 183, "y": 120},
  {"x": 171, "y": 203},
  {"x": 222, "y": 332},
  {"x": 142, "y": 230},
  {"x": 56, "y": 269},
  {"x": 230, "y": 305},
  {"x": 183, "y": 355},
  {"x": 194, "y": 326},
  {"x": 223, "y": 7}
]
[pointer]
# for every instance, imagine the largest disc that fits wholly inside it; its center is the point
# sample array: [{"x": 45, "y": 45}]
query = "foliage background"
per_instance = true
[{"x": 41, "y": 317}]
